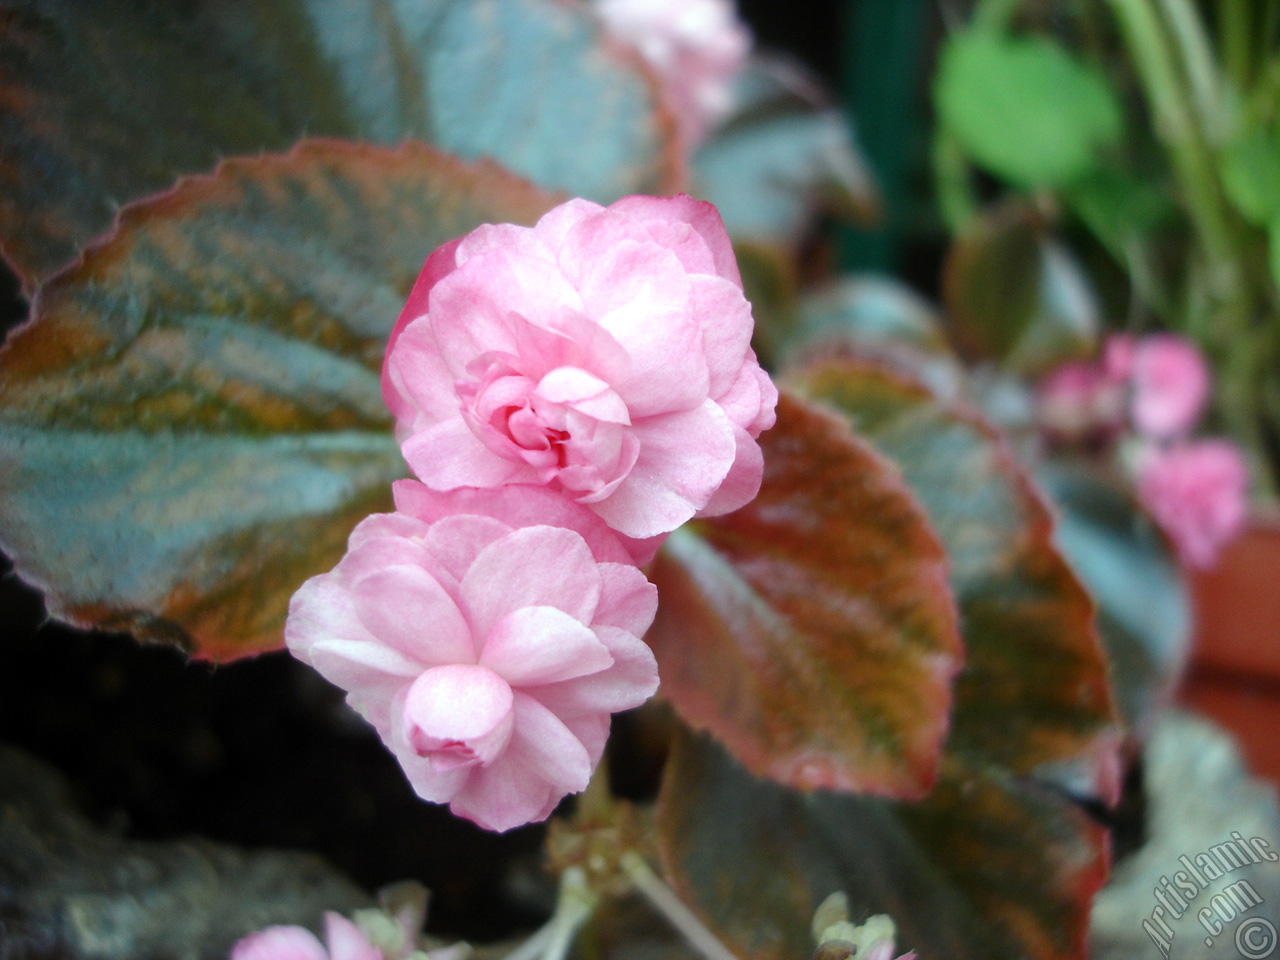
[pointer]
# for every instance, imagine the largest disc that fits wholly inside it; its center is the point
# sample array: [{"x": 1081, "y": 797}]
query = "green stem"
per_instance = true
[
  {"x": 1176, "y": 123},
  {"x": 995, "y": 15},
  {"x": 1197, "y": 59},
  {"x": 668, "y": 904},
  {"x": 953, "y": 182},
  {"x": 1233, "y": 28}
]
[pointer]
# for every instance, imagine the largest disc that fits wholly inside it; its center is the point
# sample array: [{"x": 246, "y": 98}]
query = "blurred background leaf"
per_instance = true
[{"x": 107, "y": 101}]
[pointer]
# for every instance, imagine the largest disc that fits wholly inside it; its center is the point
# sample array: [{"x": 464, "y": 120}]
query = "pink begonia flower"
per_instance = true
[
  {"x": 1079, "y": 399},
  {"x": 1170, "y": 385},
  {"x": 696, "y": 47},
  {"x": 487, "y": 635},
  {"x": 346, "y": 942},
  {"x": 1196, "y": 493},
  {"x": 605, "y": 353}
]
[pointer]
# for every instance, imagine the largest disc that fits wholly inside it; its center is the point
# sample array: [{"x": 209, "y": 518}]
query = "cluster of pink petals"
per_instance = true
[
  {"x": 1196, "y": 492},
  {"x": 1169, "y": 380},
  {"x": 487, "y": 635},
  {"x": 603, "y": 353},
  {"x": 697, "y": 48},
  {"x": 345, "y": 942}
]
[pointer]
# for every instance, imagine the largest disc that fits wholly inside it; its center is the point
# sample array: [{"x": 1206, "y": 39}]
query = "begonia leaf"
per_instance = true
[
  {"x": 997, "y": 861},
  {"x": 106, "y": 101},
  {"x": 988, "y": 867},
  {"x": 192, "y": 421},
  {"x": 1016, "y": 295},
  {"x": 1034, "y": 697},
  {"x": 1144, "y": 612},
  {"x": 813, "y": 631},
  {"x": 786, "y": 155}
]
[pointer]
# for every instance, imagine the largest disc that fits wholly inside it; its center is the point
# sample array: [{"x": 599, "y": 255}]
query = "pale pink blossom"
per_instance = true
[
  {"x": 605, "y": 353},
  {"x": 696, "y": 47},
  {"x": 1196, "y": 492},
  {"x": 345, "y": 942},
  {"x": 1079, "y": 399},
  {"x": 1170, "y": 382},
  {"x": 487, "y": 635}
]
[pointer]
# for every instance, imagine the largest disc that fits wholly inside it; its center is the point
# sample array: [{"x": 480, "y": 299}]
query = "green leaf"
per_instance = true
[
  {"x": 193, "y": 421},
  {"x": 787, "y": 155},
  {"x": 989, "y": 867},
  {"x": 1251, "y": 175},
  {"x": 1034, "y": 697},
  {"x": 1274, "y": 238},
  {"x": 812, "y": 631},
  {"x": 1016, "y": 295},
  {"x": 1025, "y": 108},
  {"x": 111, "y": 100},
  {"x": 1144, "y": 612},
  {"x": 1119, "y": 207}
]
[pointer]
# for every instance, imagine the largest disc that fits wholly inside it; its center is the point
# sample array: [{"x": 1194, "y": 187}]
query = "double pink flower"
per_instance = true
[{"x": 567, "y": 394}]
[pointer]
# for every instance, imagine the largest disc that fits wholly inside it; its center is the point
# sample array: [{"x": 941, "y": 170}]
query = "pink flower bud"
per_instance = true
[{"x": 604, "y": 353}]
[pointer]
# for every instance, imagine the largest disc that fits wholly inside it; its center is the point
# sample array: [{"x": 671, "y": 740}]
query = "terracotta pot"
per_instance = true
[
  {"x": 1237, "y": 605},
  {"x": 1235, "y": 672}
]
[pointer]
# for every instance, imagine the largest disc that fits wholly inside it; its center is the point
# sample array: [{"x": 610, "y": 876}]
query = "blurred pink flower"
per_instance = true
[
  {"x": 697, "y": 48},
  {"x": 346, "y": 942},
  {"x": 1170, "y": 385},
  {"x": 1196, "y": 493},
  {"x": 1079, "y": 399},
  {"x": 605, "y": 353},
  {"x": 487, "y": 647}
]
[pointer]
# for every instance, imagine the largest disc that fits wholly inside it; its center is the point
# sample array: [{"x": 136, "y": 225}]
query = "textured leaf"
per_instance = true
[
  {"x": 192, "y": 422},
  {"x": 1144, "y": 612},
  {"x": 996, "y": 862},
  {"x": 1016, "y": 295},
  {"x": 989, "y": 867},
  {"x": 1024, "y": 107},
  {"x": 813, "y": 631},
  {"x": 1034, "y": 696},
  {"x": 786, "y": 155},
  {"x": 104, "y": 101}
]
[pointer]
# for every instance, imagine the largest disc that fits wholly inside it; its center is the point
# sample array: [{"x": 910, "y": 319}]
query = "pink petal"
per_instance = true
[
  {"x": 438, "y": 265},
  {"x": 628, "y": 600},
  {"x": 700, "y": 215},
  {"x": 536, "y": 566},
  {"x": 449, "y": 455},
  {"x": 525, "y": 242},
  {"x": 462, "y": 704},
  {"x": 585, "y": 393},
  {"x": 456, "y": 541},
  {"x": 631, "y": 680},
  {"x": 519, "y": 505},
  {"x": 419, "y": 386},
  {"x": 346, "y": 942},
  {"x": 396, "y": 526},
  {"x": 547, "y": 748},
  {"x": 279, "y": 943},
  {"x": 684, "y": 457},
  {"x": 535, "y": 645},
  {"x": 1170, "y": 385},
  {"x": 505, "y": 795},
  {"x": 725, "y": 317},
  {"x": 321, "y": 610},
  {"x": 592, "y": 731},
  {"x": 406, "y": 608},
  {"x": 558, "y": 221},
  {"x": 743, "y": 481}
]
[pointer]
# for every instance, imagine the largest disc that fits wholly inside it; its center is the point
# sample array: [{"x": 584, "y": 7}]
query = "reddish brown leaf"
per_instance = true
[{"x": 813, "y": 631}]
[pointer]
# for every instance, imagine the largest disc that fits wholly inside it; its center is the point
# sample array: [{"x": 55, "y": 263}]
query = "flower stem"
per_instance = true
[
  {"x": 575, "y": 906},
  {"x": 669, "y": 905}
]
